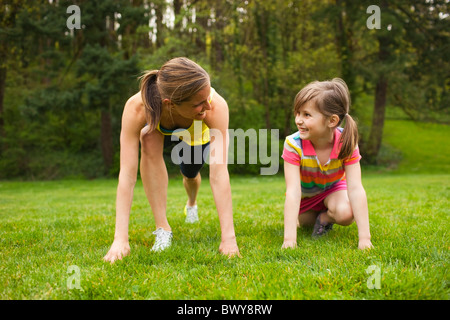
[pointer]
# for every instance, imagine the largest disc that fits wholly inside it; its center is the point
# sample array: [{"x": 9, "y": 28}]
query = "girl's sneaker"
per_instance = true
[
  {"x": 191, "y": 214},
  {"x": 163, "y": 239},
  {"x": 320, "y": 228}
]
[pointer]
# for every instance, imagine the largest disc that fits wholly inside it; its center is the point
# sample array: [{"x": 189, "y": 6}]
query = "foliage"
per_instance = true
[{"x": 62, "y": 91}]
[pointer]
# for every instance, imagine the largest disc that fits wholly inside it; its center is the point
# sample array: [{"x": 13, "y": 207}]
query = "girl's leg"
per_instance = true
[
  {"x": 154, "y": 176},
  {"x": 339, "y": 209},
  {"x": 307, "y": 219},
  {"x": 192, "y": 185}
]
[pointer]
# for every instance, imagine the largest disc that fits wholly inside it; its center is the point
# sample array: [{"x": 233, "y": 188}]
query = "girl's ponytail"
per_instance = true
[
  {"x": 332, "y": 98},
  {"x": 349, "y": 137},
  {"x": 151, "y": 98}
]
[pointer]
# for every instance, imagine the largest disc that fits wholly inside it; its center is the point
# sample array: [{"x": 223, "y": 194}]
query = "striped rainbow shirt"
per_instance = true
[{"x": 316, "y": 178}]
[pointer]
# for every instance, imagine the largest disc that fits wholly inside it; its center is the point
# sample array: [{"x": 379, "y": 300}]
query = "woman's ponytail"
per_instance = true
[
  {"x": 349, "y": 137},
  {"x": 177, "y": 80},
  {"x": 151, "y": 98}
]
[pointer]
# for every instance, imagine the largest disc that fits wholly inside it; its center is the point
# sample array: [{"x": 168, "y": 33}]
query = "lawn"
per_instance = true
[
  {"x": 54, "y": 234},
  {"x": 46, "y": 227},
  {"x": 424, "y": 147}
]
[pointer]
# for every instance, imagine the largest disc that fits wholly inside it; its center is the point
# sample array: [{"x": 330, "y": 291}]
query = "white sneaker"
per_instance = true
[
  {"x": 163, "y": 239},
  {"x": 191, "y": 214}
]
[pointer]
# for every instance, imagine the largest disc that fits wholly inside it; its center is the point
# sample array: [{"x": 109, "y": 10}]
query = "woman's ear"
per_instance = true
[
  {"x": 167, "y": 103},
  {"x": 333, "y": 121}
]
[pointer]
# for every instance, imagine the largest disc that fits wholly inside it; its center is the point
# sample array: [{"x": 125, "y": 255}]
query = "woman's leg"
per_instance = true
[
  {"x": 154, "y": 176},
  {"x": 191, "y": 172},
  {"x": 192, "y": 185}
]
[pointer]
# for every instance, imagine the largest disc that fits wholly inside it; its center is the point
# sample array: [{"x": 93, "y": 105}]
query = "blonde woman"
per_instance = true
[{"x": 177, "y": 100}]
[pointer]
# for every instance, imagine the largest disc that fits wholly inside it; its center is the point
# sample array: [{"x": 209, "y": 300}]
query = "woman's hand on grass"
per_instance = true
[
  {"x": 118, "y": 250},
  {"x": 365, "y": 244},
  {"x": 229, "y": 248},
  {"x": 289, "y": 244}
]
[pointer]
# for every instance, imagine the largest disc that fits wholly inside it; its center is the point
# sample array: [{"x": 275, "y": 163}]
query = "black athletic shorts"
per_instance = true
[{"x": 191, "y": 159}]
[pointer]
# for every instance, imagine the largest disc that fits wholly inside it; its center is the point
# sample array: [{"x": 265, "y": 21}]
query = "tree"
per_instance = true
[
  {"x": 108, "y": 69},
  {"x": 392, "y": 60},
  {"x": 30, "y": 43},
  {"x": 107, "y": 74},
  {"x": 63, "y": 90}
]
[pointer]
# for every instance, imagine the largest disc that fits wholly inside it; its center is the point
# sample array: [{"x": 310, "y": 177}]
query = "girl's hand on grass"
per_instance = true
[
  {"x": 229, "y": 248},
  {"x": 365, "y": 244},
  {"x": 289, "y": 244},
  {"x": 119, "y": 249}
]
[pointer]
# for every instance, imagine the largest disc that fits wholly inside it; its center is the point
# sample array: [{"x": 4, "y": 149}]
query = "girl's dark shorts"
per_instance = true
[{"x": 190, "y": 165}]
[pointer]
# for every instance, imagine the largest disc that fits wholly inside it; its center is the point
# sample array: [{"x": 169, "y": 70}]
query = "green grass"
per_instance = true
[
  {"x": 424, "y": 147},
  {"x": 48, "y": 226}
]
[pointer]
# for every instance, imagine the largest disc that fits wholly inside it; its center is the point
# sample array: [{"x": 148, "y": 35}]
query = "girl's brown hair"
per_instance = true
[
  {"x": 332, "y": 97},
  {"x": 177, "y": 80}
]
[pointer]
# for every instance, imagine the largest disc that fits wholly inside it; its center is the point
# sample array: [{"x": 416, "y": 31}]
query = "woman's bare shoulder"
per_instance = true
[
  {"x": 134, "y": 106},
  {"x": 134, "y": 103},
  {"x": 134, "y": 110},
  {"x": 218, "y": 115}
]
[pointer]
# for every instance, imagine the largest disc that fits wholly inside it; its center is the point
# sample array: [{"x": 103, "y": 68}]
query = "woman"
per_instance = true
[{"x": 175, "y": 100}]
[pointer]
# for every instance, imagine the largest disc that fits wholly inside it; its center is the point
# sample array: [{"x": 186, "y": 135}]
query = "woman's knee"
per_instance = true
[
  {"x": 151, "y": 143},
  {"x": 191, "y": 178}
]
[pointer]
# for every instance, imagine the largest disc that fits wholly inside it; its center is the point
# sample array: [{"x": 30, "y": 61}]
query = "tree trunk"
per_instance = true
[
  {"x": 217, "y": 42},
  {"x": 177, "y": 6},
  {"x": 345, "y": 48},
  {"x": 376, "y": 133},
  {"x": 159, "y": 26},
  {"x": 2, "y": 96},
  {"x": 262, "y": 21},
  {"x": 106, "y": 140}
]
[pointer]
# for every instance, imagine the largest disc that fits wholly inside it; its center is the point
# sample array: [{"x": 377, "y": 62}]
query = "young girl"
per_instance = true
[{"x": 321, "y": 167}]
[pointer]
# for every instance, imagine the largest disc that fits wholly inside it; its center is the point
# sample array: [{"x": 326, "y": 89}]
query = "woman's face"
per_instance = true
[{"x": 197, "y": 106}]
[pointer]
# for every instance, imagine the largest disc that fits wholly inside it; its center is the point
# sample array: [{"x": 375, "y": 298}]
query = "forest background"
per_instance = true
[{"x": 62, "y": 89}]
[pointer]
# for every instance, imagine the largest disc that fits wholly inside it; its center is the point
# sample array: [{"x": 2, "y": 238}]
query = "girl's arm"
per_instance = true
[
  {"x": 358, "y": 202},
  {"x": 129, "y": 158},
  {"x": 217, "y": 121},
  {"x": 291, "y": 204}
]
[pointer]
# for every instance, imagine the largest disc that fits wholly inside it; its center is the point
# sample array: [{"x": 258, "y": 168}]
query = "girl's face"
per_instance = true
[
  {"x": 196, "y": 107},
  {"x": 310, "y": 122}
]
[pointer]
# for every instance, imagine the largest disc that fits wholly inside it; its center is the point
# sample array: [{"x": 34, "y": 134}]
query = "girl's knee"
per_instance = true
[
  {"x": 307, "y": 219},
  {"x": 344, "y": 214}
]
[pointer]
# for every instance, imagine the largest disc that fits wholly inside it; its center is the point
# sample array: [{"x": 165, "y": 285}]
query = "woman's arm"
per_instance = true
[
  {"x": 358, "y": 202},
  {"x": 291, "y": 204},
  {"x": 129, "y": 159},
  {"x": 217, "y": 121}
]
